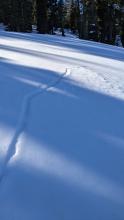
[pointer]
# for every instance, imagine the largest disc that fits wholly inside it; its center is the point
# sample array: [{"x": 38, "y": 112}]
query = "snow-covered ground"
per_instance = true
[{"x": 61, "y": 129}]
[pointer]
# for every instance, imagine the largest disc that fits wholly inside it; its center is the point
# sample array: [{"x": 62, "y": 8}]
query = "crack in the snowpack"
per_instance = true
[{"x": 23, "y": 119}]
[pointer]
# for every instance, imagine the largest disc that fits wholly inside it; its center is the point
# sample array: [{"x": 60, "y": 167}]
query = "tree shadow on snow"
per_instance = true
[
  {"x": 75, "y": 163},
  {"x": 88, "y": 47}
]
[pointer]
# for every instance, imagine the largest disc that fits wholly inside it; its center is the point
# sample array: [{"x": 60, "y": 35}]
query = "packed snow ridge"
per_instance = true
[
  {"x": 23, "y": 117},
  {"x": 61, "y": 128}
]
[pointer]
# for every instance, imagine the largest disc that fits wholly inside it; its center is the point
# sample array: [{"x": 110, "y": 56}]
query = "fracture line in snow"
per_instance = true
[{"x": 23, "y": 119}]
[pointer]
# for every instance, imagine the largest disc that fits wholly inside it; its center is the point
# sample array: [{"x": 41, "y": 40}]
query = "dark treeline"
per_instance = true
[{"x": 98, "y": 20}]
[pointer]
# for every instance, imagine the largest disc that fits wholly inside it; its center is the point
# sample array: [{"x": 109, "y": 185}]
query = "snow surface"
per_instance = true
[{"x": 61, "y": 129}]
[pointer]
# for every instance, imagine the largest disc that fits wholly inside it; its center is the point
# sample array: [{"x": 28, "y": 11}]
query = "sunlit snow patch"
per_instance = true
[{"x": 109, "y": 84}]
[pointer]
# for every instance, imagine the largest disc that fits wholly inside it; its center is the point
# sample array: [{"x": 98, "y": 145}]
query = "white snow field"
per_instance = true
[{"x": 61, "y": 129}]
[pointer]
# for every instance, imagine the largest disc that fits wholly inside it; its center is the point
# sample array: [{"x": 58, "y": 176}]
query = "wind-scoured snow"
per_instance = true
[{"x": 61, "y": 128}]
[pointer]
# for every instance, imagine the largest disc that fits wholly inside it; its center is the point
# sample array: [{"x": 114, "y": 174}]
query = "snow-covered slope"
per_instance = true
[{"x": 61, "y": 129}]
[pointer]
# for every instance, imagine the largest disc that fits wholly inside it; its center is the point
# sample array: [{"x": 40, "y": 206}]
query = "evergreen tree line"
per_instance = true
[{"x": 98, "y": 20}]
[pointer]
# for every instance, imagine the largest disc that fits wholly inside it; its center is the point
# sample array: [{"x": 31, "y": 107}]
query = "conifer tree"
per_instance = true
[
  {"x": 52, "y": 15},
  {"x": 19, "y": 15},
  {"x": 101, "y": 20},
  {"x": 5, "y": 11},
  {"x": 41, "y": 11},
  {"x": 74, "y": 17},
  {"x": 122, "y": 21},
  {"x": 61, "y": 15}
]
